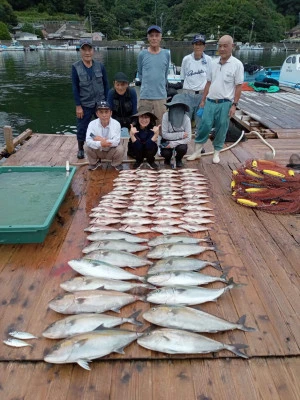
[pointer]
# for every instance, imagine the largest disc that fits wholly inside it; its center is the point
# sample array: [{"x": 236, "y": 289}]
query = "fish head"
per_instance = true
[
  {"x": 61, "y": 302},
  {"x": 59, "y": 354}
]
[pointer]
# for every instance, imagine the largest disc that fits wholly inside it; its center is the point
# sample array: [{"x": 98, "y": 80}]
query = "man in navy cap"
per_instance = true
[
  {"x": 90, "y": 85},
  {"x": 153, "y": 67},
  {"x": 194, "y": 69},
  {"x": 103, "y": 139}
]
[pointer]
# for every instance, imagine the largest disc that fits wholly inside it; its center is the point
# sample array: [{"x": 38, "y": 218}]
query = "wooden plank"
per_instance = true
[{"x": 8, "y": 137}]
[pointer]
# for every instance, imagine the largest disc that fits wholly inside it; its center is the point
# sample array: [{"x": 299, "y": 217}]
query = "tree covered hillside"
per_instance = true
[{"x": 118, "y": 18}]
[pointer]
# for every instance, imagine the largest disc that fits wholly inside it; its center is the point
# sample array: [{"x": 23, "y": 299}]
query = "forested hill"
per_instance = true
[{"x": 268, "y": 19}]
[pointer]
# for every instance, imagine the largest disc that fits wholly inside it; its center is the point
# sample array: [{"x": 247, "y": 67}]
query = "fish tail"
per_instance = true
[
  {"x": 216, "y": 265},
  {"x": 224, "y": 277},
  {"x": 236, "y": 349},
  {"x": 133, "y": 318},
  {"x": 242, "y": 326},
  {"x": 232, "y": 284}
]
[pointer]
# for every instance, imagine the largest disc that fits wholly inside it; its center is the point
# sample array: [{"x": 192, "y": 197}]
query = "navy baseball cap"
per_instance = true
[
  {"x": 199, "y": 38},
  {"x": 84, "y": 42},
  {"x": 103, "y": 104},
  {"x": 154, "y": 28}
]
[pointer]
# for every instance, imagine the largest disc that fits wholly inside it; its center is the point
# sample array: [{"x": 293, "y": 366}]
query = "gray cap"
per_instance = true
[
  {"x": 121, "y": 77},
  {"x": 84, "y": 42}
]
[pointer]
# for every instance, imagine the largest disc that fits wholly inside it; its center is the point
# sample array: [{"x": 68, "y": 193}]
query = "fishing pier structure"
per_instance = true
[{"x": 259, "y": 250}]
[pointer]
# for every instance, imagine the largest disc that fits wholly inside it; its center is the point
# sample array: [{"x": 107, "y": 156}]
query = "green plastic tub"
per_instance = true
[{"x": 29, "y": 199}]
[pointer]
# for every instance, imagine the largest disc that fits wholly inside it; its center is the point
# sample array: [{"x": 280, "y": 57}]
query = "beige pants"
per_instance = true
[
  {"x": 157, "y": 107},
  {"x": 114, "y": 154}
]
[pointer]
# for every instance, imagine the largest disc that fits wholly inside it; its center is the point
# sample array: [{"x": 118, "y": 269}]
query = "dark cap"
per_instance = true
[
  {"x": 121, "y": 77},
  {"x": 103, "y": 104},
  {"x": 199, "y": 38},
  {"x": 154, "y": 28},
  {"x": 84, "y": 42}
]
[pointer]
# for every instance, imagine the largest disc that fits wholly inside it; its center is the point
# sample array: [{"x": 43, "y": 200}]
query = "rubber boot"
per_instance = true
[
  {"x": 216, "y": 158},
  {"x": 197, "y": 153},
  {"x": 80, "y": 154}
]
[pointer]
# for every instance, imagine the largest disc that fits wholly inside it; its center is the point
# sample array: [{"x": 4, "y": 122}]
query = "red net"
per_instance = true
[{"x": 267, "y": 186}]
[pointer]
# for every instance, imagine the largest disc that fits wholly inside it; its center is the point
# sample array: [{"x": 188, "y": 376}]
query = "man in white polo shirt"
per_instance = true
[
  {"x": 220, "y": 97},
  {"x": 194, "y": 68}
]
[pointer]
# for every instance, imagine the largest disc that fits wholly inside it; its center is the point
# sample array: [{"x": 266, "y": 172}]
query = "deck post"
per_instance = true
[{"x": 8, "y": 137}]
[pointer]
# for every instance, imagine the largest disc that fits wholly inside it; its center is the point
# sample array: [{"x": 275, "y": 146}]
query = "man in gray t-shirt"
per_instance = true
[{"x": 153, "y": 68}]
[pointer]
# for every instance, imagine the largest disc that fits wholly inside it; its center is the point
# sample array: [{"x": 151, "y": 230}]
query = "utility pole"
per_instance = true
[
  {"x": 91, "y": 26},
  {"x": 252, "y": 26}
]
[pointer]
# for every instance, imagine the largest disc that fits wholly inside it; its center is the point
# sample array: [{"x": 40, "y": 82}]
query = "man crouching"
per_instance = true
[{"x": 103, "y": 139}]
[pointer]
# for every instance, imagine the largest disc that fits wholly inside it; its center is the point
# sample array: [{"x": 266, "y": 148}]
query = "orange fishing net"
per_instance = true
[{"x": 268, "y": 186}]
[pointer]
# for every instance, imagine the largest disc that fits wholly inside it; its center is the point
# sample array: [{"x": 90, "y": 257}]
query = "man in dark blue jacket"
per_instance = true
[{"x": 90, "y": 86}]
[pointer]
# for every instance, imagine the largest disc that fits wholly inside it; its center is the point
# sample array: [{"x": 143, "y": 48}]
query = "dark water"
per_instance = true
[{"x": 36, "y": 92}]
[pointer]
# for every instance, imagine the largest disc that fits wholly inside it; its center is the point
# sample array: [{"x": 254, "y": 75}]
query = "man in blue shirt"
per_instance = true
[
  {"x": 153, "y": 67},
  {"x": 90, "y": 86}
]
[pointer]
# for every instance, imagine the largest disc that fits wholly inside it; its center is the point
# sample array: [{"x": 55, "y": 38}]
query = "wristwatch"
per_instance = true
[{"x": 235, "y": 104}]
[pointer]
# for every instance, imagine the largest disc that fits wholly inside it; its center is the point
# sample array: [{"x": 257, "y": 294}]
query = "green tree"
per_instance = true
[
  {"x": 7, "y": 15},
  {"x": 4, "y": 32}
]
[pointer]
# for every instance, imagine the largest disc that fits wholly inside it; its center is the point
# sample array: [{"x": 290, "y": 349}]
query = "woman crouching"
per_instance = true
[{"x": 143, "y": 139}]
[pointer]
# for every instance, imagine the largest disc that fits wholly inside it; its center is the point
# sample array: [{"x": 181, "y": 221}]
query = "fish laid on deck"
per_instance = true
[
  {"x": 177, "y": 250},
  {"x": 118, "y": 258},
  {"x": 184, "y": 278},
  {"x": 181, "y": 264},
  {"x": 89, "y": 301},
  {"x": 176, "y": 341},
  {"x": 83, "y": 348},
  {"x": 83, "y": 323},
  {"x": 180, "y": 317}
]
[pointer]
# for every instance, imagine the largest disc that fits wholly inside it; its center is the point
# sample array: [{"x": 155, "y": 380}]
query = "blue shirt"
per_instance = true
[{"x": 153, "y": 72}]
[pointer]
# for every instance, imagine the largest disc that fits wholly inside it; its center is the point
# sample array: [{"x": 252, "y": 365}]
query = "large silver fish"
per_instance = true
[
  {"x": 91, "y": 283},
  {"x": 183, "y": 278},
  {"x": 101, "y": 270},
  {"x": 177, "y": 341},
  {"x": 177, "y": 250},
  {"x": 197, "y": 220},
  {"x": 186, "y": 295},
  {"x": 193, "y": 228},
  {"x": 135, "y": 229},
  {"x": 167, "y": 230},
  {"x": 81, "y": 349},
  {"x": 82, "y": 323},
  {"x": 114, "y": 245},
  {"x": 104, "y": 221},
  {"x": 175, "y": 239},
  {"x": 92, "y": 301},
  {"x": 181, "y": 264},
  {"x": 116, "y": 236},
  {"x": 99, "y": 228},
  {"x": 190, "y": 319},
  {"x": 118, "y": 258},
  {"x": 136, "y": 221}
]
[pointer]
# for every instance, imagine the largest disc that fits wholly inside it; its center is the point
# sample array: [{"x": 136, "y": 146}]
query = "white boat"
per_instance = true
[
  {"x": 290, "y": 72},
  {"x": 15, "y": 46},
  {"x": 64, "y": 46},
  {"x": 248, "y": 46}
]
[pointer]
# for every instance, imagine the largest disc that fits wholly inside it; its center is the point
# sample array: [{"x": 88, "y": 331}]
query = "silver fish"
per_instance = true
[
  {"x": 136, "y": 221},
  {"x": 183, "y": 278},
  {"x": 82, "y": 323},
  {"x": 197, "y": 220},
  {"x": 144, "y": 202},
  {"x": 164, "y": 203},
  {"x": 190, "y": 319},
  {"x": 167, "y": 222},
  {"x": 118, "y": 258},
  {"x": 106, "y": 209},
  {"x": 186, "y": 295},
  {"x": 198, "y": 214},
  {"x": 101, "y": 270},
  {"x": 92, "y": 301},
  {"x": 104, "y": 221},
  {"x": 168, "y": 208},
  {"x": 167, "y": 230},
  {"x": 175, "y": 239},
  {"x": 115, "y": 236},
  {"x": 193, "y": 228},
  {"x": 91, "y": 283},
  {"x": 22, "y": 335},
  {"x": 177, "y": 341},
  {"x": 143, "y": 209},
  {"x": 181, "y": 264},
  {"x": 177, "y": 250},
  {"x": 135, "y": 229},
  {"x": 16, "y": 342},
  {"x": 99, "y": 228},
  {"x": 114, "y": 245},
  {"x": 81, "y": 349},
  {"x": 135, "y": 214}
]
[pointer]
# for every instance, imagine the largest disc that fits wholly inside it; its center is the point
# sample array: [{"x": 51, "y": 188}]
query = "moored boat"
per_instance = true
[{"x": 290, "y": 72}]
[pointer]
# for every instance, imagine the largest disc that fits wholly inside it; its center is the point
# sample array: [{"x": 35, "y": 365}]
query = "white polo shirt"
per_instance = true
[
  {"x": 112, "y": 132},
  {"x": 224, "y": 78},
  {"x": 194, "y": 72}
]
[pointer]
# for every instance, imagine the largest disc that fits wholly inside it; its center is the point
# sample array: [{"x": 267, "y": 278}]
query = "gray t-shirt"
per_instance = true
[{"x": 153, "y": 71}]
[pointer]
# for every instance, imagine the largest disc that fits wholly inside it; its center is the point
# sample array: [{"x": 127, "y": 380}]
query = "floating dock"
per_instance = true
[{"x": 259, "y": 250}]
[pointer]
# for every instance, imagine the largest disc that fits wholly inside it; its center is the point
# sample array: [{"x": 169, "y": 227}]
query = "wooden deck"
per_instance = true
[{"x": 261, "y": 251}]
